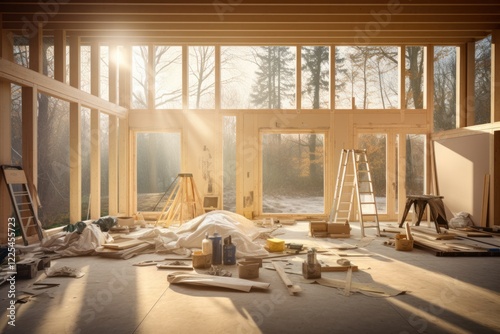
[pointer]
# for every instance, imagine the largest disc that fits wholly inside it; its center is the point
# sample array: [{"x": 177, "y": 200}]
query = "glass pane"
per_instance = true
[
  {"x": 482, "y": 86},
  {"x": 315, "y": 77},
  {"x": 201, "y": 77},
  {"x": 104, "y": 141},
  {"x": 229, "y": 163},
  {"x": 445, "y": 92},
  {"x": 258, "y": 77},
  {"x": 414, "y": 77},
  {"x": 293, "y": 173},
  {"x": 415, "y": 164},
  {"x": 16, "y": 125},
  {"x": 85, "y": 51},
  {"x": 21, "y": 51},
  {"x": 48, "y": 46},
  {"x": 168, "y": 77},
  {"x": 53, "y": 161},
  {"x": 158, "y": 164},
  {"x": 104, "y": 72},
  {"x": 85, "y": 152},
  {"x": 237, "y": 72},
  {"x": 366, "y": 77},
  {"x": 139, "y": 77},
  {"x": 376, "y": 149}
]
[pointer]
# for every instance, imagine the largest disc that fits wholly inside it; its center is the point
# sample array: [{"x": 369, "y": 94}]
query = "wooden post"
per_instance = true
[
  {"x": 75, "y": 163},
  {"x": 95, "y": 136},
  {"x": 467, "y": 110},
  {"x": 495, "y": 182},
  {"x": 6, "y": 52},
  {"x": 60, "y": 55},
  {"x": 75, "y": 158},
  {"x": 123, "y": 143},
  {"x": 113, "y": 165},
  {"x": 495, "y": 76},
  {"x": 30, "y": 131},
  {"x": 36, "y": 47},
  {"x": 29, "y": 111},
  {"x": 494, "y": 211},
  {"x": 113, "y": 133}
]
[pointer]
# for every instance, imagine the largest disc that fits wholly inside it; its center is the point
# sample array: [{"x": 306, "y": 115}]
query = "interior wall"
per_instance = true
[{"x": 461, "y": 165}]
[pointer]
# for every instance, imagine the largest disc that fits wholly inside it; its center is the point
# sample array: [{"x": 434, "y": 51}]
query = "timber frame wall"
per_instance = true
[{"x": 123, "y": 122}]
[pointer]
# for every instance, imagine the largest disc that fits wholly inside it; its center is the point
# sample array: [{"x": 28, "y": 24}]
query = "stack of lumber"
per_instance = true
[{"x": 125, "y": 248}]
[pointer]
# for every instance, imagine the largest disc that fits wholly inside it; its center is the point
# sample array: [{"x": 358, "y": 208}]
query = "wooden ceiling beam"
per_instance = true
[
  {"x": 222, "y": 9},
  {"x": 259, "y": 19},
  {"x": 269, "y": 40},
  {"x": 235, "y": 27},
  {"x": 267, "y": 2}
]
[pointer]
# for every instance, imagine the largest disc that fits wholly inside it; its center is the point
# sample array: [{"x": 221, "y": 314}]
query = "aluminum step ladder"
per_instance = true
[
  {"x": 26, "y": 217},
  {"x": 354, "y": 177}
]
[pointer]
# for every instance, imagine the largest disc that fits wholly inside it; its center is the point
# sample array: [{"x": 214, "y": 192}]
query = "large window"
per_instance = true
[
  {"x": 482, "y": 82},
  {"x": 315, "y": 77},
  {"x": 394, "y": 156},
  {"x": 158, "y": 164},
  {"x": 366, "y": 77},
  {"x": 414, "y": 77},
  {"x": 53, "y": 161},
  {"x": 201, "y": 77},
  {"x": 229, "y": 162},
  {"x": 260, "y": 77},
  {"x": 140, "y": 83},
  {"x": 293, "y": 172},
  {"x": 445, "y": 88},
  {"x": 167, "y": 65},
  {"x": 375, "y": 145}
]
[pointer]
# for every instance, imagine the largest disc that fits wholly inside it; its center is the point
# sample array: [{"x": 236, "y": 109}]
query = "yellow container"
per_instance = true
[
  {"x": 275, "y": 245},
  {"x": 201, "y": 261}
]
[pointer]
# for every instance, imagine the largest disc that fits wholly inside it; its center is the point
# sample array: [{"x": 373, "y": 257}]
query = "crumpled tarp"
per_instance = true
[
  {"x": 179, "y": 241},
  {"x": 191, "y": 234},
  {"x": 76, "y": 244}
]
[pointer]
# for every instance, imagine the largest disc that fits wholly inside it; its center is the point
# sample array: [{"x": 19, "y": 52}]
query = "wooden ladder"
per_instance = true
[
  {"x": 354, "y": 176},
  {"x": 22, "y": 202},
  {"x": 184, "y": 202}
]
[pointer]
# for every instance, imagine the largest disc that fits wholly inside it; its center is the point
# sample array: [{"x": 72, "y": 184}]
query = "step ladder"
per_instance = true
[
  {"x": 184, "y": 202},
  {"x": 354, "y": 177},
  {"x": 26, "y": 217}
]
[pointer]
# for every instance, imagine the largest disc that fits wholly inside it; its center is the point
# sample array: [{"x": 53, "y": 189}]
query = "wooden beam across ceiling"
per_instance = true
[{"x": 260, "y": 21}]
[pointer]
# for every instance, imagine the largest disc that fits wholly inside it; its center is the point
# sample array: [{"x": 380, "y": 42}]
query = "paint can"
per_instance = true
[{"x": 216, "y": 249}]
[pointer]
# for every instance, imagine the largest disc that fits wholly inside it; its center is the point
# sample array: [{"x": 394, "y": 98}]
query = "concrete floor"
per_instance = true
[{"x": 444, "y": 295}]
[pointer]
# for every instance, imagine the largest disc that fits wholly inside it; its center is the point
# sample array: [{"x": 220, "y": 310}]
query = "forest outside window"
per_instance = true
[
  {"x": 158, "y": 164},
  {"x": 293, "y": 172}
]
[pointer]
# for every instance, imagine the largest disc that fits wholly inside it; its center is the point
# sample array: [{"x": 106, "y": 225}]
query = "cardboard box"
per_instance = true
[
  {"x": 339, "y": 228},
  {"x": 27, "y": 268},
  {"x": 317, "y": 228},
  {"x": 402, "y": 243}
]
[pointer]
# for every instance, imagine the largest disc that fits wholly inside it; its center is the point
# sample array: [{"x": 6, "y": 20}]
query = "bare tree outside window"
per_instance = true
[
  {"x": 370, "y": 80},
  {"x": 482, "y": 83},
  {"x": 445, "y": 93}
]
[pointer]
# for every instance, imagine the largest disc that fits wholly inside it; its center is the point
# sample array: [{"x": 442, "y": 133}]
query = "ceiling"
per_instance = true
[{"x": 259, "y": 21}]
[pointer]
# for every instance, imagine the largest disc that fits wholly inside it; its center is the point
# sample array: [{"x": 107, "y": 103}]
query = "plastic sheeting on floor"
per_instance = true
[
  {"x": 191, "y": 234},
  {"x": 172, "y": 240}
]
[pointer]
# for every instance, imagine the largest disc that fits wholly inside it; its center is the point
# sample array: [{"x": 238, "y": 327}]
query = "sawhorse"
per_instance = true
[{"x": 436, "y": 206}]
